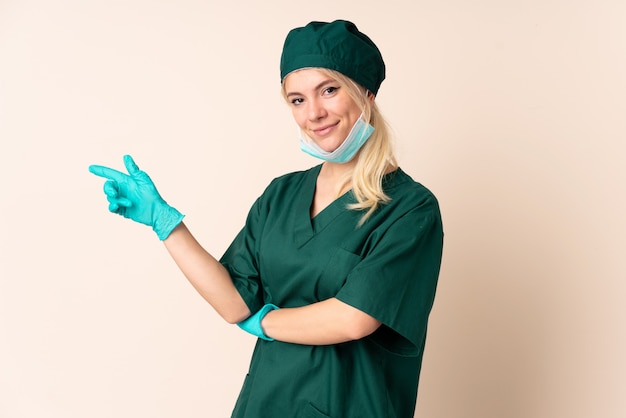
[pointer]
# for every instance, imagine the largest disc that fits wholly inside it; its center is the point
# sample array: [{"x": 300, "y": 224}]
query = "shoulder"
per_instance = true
[
  {"x": 411, "y": 218},
  {"x": 287, "y": 187},
  {"x": 409, "y": 195},
  {"x": 291, "y": 180},
  {"x": 295, "y": 176}
]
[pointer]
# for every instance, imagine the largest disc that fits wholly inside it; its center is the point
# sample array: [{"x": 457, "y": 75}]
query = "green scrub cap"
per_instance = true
[{"x": 337, "y": 46}]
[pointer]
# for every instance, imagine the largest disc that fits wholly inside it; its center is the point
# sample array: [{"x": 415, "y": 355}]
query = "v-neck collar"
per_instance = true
[{"x": 306, "y": 227}]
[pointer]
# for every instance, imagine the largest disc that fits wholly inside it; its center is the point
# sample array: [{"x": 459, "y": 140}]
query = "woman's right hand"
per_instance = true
[{"x": 135, "y": 196}]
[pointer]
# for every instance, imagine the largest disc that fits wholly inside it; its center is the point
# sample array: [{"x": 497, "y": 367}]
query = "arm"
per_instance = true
[
  {"x": 327, "y": 322},
  {"x": 206, "y": 275},
  {"x": 135, "y": 196}
]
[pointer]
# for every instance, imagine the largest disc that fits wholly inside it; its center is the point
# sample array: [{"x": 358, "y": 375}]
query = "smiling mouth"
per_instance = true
[{"x": 325, "y": 130}]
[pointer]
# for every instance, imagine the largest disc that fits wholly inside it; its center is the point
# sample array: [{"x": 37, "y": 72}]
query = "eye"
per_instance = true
[
  {"x": 297, "y": 101},
  {"x": 330, "y": 90}
]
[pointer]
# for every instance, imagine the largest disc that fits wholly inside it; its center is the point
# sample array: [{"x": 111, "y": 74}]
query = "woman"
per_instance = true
[{"x": 336, "y": 267}]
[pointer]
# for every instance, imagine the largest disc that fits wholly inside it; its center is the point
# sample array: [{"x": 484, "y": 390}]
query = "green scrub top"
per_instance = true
[{"x": 388, "y": 268}]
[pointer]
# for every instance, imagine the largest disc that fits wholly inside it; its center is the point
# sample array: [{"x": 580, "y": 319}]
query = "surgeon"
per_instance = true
[{"x": 336, "y": 267}]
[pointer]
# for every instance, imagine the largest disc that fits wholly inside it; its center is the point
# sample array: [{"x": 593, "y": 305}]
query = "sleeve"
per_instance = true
[
  {"x": 396, "y": 281},
  {"x": 241, "y": 258}
]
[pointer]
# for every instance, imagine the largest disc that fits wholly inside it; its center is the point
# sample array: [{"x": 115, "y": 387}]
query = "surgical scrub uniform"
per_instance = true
[{"x": 388, "y": 268}]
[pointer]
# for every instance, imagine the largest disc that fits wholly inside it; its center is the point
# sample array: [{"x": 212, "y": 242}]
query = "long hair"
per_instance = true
[{"x": 375, "y": 156}]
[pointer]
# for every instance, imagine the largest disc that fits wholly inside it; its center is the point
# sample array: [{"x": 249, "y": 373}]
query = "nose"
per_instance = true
[{"x": 316, "y": 110}]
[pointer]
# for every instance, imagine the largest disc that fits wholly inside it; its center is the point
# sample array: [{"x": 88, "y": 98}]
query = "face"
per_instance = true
[{"x": 321, "y": 107}]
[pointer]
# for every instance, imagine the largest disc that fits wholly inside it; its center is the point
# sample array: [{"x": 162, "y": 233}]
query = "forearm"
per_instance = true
[
  {"x": 206, "y": 275},
  {"x": 327, "y": 322}
]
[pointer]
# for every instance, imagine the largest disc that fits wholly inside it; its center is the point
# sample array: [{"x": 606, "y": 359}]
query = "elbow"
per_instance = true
[
  {"x": 353, "y": 323},
  {"x": 361, "y": 326},
  {"x": 233, "y": 310},
  {"x": 234, "y": 318}
]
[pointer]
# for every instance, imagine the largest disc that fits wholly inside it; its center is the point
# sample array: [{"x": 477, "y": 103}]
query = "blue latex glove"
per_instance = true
[
  {"x": 134, "y": 196},
  {"x": 253, "y": 323}
]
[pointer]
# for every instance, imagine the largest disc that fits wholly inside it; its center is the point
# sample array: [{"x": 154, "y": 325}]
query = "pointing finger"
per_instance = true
[{"x": 107, "y": 173}]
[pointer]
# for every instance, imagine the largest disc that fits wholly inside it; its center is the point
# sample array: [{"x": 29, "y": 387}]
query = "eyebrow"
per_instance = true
[{"x": 319, "y": 86}]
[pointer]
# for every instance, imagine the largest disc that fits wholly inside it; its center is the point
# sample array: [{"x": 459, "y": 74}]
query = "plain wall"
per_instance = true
[{"x": 511, "y": 112}]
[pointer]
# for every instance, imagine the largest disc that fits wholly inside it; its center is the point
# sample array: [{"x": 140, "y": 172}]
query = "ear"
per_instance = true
[{"x": 370, "y": 96}]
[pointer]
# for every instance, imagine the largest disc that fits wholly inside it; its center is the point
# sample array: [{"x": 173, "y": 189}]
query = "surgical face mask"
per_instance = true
[{"x": 359, "y": 133}]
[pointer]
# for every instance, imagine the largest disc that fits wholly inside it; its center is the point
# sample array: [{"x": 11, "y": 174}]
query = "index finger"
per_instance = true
[{"x": 108, "y": 173}]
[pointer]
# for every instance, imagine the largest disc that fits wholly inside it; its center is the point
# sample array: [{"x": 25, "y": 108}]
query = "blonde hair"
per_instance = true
[{"x": 375, "y": 157}]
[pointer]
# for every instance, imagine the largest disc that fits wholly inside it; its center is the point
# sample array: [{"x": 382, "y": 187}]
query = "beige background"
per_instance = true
[{"x": 512, "y": 112}]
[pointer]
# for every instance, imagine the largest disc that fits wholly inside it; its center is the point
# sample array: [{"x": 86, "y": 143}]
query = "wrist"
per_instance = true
[
  {"x": 168, "y": 218},
  {"x": 265, "y": 324},
  {"x": 253, "y": 323}
]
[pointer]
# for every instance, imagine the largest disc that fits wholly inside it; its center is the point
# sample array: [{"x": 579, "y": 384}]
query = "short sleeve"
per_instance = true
[
  {"x": 396, "y": 280},
  {"x": 241, "y": 258}
]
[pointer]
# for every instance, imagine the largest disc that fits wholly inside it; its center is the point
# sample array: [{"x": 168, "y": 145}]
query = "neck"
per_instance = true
[
  {"x": 336, "y": 176},
  {"x": 337, "y": 170}
]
